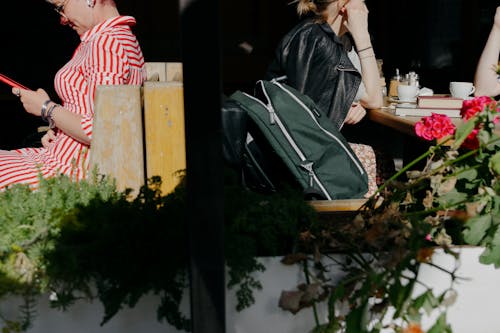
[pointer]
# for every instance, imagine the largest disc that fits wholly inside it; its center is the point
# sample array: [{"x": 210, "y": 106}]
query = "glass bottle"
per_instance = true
[{"x": 393, "y": 86}]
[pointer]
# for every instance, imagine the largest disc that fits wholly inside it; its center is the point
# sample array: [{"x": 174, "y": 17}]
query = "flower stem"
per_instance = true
[
  {"x": 430, "y": 151},
  {"x": 404, "y": 169},
  {"x": 308, "y": 281}
]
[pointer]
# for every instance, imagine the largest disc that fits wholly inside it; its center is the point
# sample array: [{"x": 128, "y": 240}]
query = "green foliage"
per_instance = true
[
  {"x": 259, "y": 225},
  {"x": 28, "y": 222},
  {"x": 121, "y": 250},
  {"x": 88, "y": 240}
]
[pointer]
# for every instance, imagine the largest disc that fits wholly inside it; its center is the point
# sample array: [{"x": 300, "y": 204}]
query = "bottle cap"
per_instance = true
[{"x": 397, "y": 76}]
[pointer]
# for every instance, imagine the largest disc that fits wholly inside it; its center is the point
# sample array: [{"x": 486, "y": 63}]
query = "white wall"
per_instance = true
[{"x": 475, "y": 310}]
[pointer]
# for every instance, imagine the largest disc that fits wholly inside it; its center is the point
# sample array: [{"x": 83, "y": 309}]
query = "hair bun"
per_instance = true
[{"x": 305, "y": 7}]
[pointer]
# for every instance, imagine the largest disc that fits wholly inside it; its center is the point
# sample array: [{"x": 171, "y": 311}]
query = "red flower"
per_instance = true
[
  {"x": 471, "y": 141},
  {"x": 436, "y": 126},
  {"x": 476, "y": 105},
  {"x": 469, "y": 109}
]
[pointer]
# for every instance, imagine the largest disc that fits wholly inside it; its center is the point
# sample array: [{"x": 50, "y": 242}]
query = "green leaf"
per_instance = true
[
  {"x": 420, "y": 300},
  {"x": 426, "y": 301},
  {"x": 452, "y": 198},
  {"x": 337, "y": 293},
  {"x": 354, "y": 320},
  {"x": 476, "y": 228},
  {"x": 483, "y": 136},
  {"x": 440, "y": 326},
  {"x": 491, "y": 254},
  {"x": 493, "y": 145},
  {"x": 400, "y": 294},
  {"x": 462, "y": 132},
  {"x": 495, "y": 163},
  {"x": 467, "y": 174}
]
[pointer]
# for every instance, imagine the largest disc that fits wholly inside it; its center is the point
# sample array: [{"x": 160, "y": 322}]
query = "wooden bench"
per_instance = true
[
  {"x": 139, "y": 130},
  {"x": 139, "y": 133}
]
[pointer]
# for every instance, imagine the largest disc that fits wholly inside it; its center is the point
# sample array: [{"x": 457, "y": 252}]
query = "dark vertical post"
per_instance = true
[{"x": 200, "y": 47}]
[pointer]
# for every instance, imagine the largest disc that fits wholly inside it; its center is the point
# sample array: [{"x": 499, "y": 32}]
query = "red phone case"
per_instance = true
[{"x": 11, "y": 82}]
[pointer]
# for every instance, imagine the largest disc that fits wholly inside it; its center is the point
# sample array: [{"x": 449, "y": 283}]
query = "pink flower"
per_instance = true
[
  {"x": 471, "y": 107},
  {"x": 435, "y": 126}
]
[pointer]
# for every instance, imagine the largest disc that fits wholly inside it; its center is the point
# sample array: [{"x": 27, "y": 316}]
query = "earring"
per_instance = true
[{"x": 91, "y": 3}]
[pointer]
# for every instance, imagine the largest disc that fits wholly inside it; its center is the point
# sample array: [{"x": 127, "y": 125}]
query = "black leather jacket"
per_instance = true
[{"x": 315, "y": 61}]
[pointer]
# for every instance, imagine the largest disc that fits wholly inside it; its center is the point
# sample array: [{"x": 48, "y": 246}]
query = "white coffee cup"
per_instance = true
[
  {"x": 461, "y": 89},
  {"x": 407, "y": 93}
]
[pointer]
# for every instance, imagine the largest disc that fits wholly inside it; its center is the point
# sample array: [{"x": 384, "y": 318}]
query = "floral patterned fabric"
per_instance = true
[
  {"x": 378, "y": 166},
  {"x": 366, "y": 156}
]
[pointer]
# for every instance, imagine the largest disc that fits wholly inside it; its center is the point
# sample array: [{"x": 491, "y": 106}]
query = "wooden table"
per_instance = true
[
  {"x": 385, "y": 116},
  {"x": 406, "y": 125}
]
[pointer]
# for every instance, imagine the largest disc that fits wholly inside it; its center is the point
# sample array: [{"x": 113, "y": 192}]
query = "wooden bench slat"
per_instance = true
[
  {"x": 331, "y": 206},
  {"x": 117, "y": 147},
  {"x": 164, "y": 132}
]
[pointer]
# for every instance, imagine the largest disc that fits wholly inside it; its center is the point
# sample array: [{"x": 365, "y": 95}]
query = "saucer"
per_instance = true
[
  {"x": 406, "y": 105},
  {"x": 407, "y": 101},
  {"x": 397, "y": 100}
]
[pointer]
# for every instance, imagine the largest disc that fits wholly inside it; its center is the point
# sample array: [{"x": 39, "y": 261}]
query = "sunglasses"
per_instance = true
[{"x": 60, "y": 8}]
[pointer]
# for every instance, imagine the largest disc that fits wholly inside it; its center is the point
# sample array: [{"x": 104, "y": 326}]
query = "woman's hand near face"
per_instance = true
[
  {"x": 355, "y": 114},
  {"x": 497, "y": 19},
  {"x": 48, "y": 138},
  {"x": 486, "y": 78},
  {"x": 356, "y": 20}
]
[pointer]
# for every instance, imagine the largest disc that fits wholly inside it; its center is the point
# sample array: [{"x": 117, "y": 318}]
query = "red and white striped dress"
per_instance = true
[{"x": 108, "y": 54}]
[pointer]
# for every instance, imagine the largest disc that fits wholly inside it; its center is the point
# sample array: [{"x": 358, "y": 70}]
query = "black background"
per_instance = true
[{"x": 439, "y": 39}]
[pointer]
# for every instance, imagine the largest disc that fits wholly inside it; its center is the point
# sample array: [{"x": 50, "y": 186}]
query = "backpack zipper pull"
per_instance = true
[
  {"x": 272, "y": 114},
  {"x": 316, "y": 112},
  {"x": 309, "y": 168}
]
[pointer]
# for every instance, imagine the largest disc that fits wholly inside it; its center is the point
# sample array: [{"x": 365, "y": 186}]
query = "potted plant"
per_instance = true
[
  {"x": 453, "y": 200},
  {"x": 74, "y": 241}
]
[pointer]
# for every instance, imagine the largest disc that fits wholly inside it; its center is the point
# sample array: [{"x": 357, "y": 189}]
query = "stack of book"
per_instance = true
[{"x": 426, "y": 105}]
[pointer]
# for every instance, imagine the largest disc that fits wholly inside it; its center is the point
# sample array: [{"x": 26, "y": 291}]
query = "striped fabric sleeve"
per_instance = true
[{"x": 107, "y": 65}]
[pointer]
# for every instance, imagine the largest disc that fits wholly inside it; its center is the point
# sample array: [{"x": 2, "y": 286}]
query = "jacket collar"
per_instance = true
[
  {"x": 112, "y": 22},
  {"x": 345, "y": 40}
]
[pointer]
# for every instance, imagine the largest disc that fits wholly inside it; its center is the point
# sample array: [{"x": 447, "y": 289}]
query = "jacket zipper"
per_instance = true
[{"x": 345, "y": 69}]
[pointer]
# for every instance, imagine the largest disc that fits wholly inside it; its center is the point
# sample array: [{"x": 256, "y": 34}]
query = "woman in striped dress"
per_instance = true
[{"x": 107, "y": 54}]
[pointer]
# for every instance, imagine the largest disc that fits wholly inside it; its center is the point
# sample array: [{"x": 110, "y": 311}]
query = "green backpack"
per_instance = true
[{"x": 303, "y": 137}]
